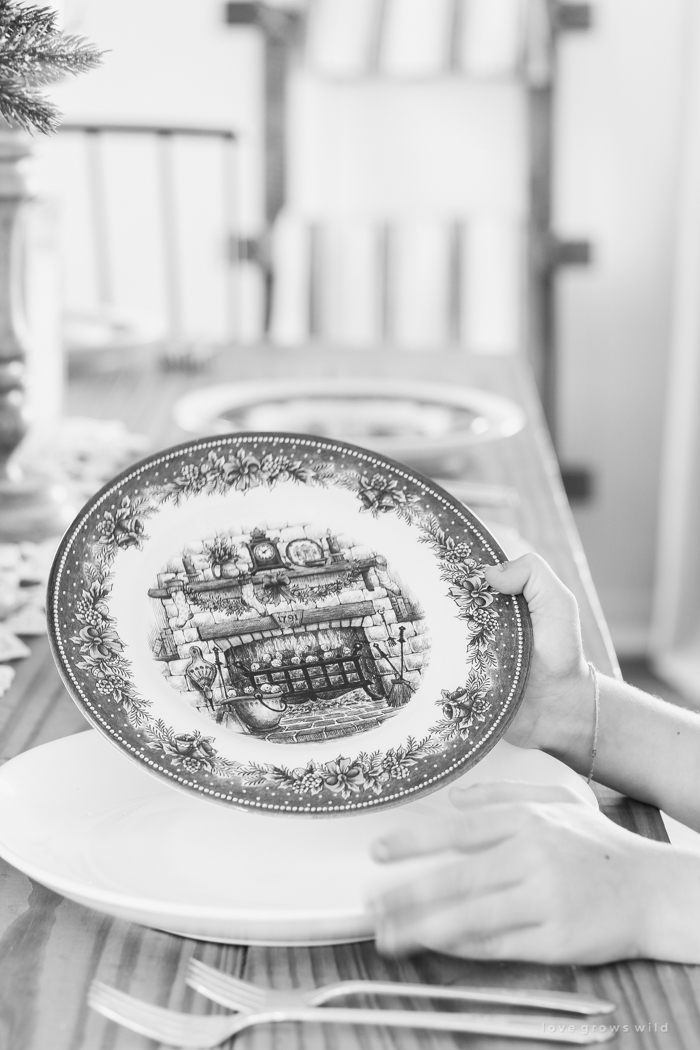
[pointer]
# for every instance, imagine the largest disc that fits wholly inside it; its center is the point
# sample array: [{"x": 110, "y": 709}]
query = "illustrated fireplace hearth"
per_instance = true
[
  {"x": 300, "y": 635},
  {"x": 324, "y": 673}
]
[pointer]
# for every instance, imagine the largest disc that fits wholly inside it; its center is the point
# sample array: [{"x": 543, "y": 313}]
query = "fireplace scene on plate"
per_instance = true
[{"x": 292, "y": 634}]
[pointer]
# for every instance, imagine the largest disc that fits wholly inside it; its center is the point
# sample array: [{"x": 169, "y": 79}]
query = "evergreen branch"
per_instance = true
[
  {"x": 44, "y": 62},
  {"x": 30, "y": 20},
  {"x": 27, "y": 109},
  {"x": 33, "y": 53}
]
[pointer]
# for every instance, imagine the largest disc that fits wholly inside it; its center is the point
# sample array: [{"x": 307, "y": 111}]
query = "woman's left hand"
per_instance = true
[{"x": 529, "y": 872}]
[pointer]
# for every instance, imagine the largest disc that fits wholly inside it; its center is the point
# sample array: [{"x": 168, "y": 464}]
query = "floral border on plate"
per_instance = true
[{"x": 98, "y": 674}]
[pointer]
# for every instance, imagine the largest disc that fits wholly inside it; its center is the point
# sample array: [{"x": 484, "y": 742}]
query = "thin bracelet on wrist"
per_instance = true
[{"x": 596, "y": 718}]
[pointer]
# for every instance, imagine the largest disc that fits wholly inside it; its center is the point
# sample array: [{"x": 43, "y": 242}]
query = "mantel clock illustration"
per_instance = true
[{"x": 264, "y": 552}]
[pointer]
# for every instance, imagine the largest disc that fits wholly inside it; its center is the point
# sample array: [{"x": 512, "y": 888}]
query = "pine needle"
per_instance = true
[
  {"x": 27, "y": 109},
  {"x": 33, "y": 53}
]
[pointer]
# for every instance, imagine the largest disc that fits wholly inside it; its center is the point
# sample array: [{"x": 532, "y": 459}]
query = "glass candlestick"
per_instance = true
[{"x": 32, "y": 505}]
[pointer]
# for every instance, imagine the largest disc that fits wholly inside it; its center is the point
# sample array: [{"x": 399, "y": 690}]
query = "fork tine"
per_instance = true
[
  {"x": 246, "y": 988},
  {"x": 156, "y": 1022},
  {"x": 216, "y": 985},
  {"x": 142, "y": 1017}
]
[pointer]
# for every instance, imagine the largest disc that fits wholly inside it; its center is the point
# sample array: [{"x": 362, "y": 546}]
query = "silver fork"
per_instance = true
[
  {"x": 195, "y": 1030},
  {"x": 242, "y": 995}
]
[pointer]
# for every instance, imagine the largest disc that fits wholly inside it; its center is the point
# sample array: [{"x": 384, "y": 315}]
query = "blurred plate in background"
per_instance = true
[{"x": 409, "y": 421}]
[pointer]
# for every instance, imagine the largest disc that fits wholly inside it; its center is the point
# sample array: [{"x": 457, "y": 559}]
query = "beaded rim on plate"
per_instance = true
[{"x": 302, "y": 682}]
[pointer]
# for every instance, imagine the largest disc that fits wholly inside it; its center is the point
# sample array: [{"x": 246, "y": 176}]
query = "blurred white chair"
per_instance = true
[
  {"x": 414, "y": 39},
  {"x": 416, "y": 284},
  {"x": 162, "y": 184}
]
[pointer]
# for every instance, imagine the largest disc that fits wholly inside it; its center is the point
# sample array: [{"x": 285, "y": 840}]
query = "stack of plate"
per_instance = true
[{"x": 295, "y": 633}]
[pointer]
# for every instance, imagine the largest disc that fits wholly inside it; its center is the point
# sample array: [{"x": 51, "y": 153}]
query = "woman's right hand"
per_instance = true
[
  {"x": 557, "y": 713},
  {"x": 532, "y": 872}
]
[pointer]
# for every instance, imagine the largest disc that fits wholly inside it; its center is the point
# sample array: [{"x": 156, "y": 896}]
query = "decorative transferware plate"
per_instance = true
[{"x": 287, "y": 624}]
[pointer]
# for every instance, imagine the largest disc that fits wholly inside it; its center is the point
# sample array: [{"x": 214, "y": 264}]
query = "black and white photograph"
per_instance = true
[{"x": 349, "y": 517}]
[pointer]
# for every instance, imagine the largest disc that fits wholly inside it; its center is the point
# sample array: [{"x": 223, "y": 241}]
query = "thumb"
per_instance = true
[{"x": 532, "y": 577}]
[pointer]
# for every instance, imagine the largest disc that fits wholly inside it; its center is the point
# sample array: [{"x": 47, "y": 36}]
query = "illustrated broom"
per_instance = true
[{"x": 401, "y": 690}]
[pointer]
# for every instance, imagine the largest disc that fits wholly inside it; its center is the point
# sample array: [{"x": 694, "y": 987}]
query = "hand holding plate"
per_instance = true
[{"x": 557, "y": 713}]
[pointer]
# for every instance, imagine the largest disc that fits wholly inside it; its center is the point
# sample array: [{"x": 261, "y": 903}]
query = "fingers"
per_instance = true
[
  {"x": 489, "y": 813},
  {"x": 512, "y": 943},
  {"x": 474, "y": 923},
  {"x": 532, "y": 577},
  {"x": 450, "y": 879},
  {"x": 466, "y": 832},
  {"x": 558, "y": 886}
]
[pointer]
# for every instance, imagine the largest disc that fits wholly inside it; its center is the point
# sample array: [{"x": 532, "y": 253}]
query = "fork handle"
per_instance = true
[
  {"x": 516, "y": 1026},
  {"x": 572, "y": 1002}
]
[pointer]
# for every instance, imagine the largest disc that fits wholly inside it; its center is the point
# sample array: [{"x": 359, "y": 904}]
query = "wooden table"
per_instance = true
[{"x": 51, "y": 949}]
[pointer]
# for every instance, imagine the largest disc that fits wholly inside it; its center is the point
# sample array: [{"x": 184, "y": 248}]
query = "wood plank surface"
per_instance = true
[{"x": 51, "y": 948}]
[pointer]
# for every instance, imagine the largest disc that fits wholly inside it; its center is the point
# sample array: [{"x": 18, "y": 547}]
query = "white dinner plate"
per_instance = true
[{"x": 78, "y": 817}]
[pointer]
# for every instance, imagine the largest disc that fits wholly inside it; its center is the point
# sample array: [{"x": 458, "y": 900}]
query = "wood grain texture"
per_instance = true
[{"x": 50, "y": 948}]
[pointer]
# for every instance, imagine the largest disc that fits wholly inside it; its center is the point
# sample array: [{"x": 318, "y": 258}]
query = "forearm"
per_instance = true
[{"x": 647, "y": 748}]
